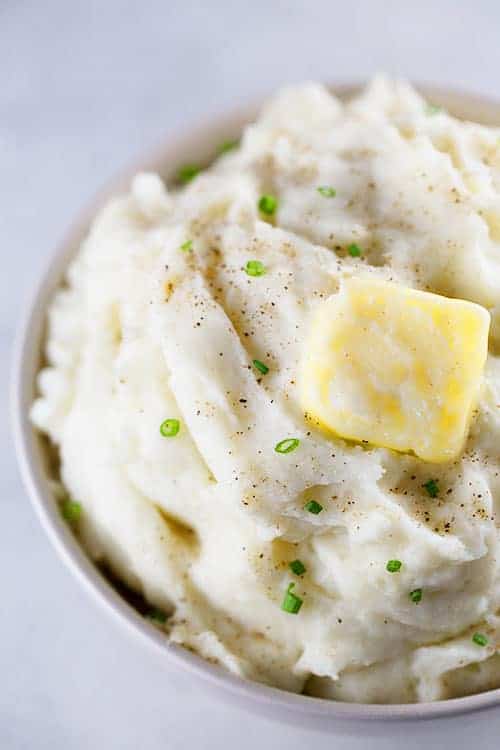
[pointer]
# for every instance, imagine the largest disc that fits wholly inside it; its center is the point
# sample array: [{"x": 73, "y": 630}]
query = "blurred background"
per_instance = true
[{"x": 85, "y": 87}]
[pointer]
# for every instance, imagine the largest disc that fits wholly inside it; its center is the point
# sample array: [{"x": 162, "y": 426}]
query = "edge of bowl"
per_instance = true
[{"x": 198, "y": 142}]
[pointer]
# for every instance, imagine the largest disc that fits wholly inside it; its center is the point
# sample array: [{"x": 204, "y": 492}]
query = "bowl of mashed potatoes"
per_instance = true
[{"x": 257, "y": 396}]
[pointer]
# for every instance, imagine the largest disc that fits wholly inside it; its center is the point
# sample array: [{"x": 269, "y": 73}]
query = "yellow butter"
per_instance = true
[{"x": 395, "y": 367}]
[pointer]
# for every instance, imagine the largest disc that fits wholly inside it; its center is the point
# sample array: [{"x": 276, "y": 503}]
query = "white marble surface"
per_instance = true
[{"x": 84, "y": 87}]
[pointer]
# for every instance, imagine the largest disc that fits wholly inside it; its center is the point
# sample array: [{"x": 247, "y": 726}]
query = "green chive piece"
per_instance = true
[
  {"x": 268, "y": 204},
  {"x": 431, "y": 487},
  {"x": 260, "y": 366},
  {"x": 354, "y": 251},
  {"x": 326, "y": 191},
  {"x": 297, "y": 567},
  {"x": 433, "y": 109},
  {"x": 313, "y": 507},
  {"x": 291, "y": 602},
  {"x": 157, "y": 616},
  {"x": 480, "y": 639},
  {"x": 416, "y": 595},
  {"x": 287, "y": 445},
  {"x": 71, "y": 511},
  {"x": 226, "y": 146},
  {"x": 188, "y": 172},
  {"x": 187, "y": 246},
  {"x": 170, "y": 427},
  {"x": 255, "y": 268},
  {"x": 393, "y": 566}
]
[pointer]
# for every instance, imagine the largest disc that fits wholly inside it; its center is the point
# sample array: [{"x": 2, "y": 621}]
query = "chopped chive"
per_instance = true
[
  {"x": 433, "y": 109},
  {"x": 313, "y": 507},
  {"x": 291, "y": 602},
  {"x": 268, "y": 204},
  {"x": 287, "y": 445},
  {"x": 255, "y": 268},
  {"x": 71, "y": 510},
  {"x": 354, "y": 250},
  {"x": 326, "y": 191},
  {"x": 393, "y": 566},
  {"x": 170, "y": 427},
  {"x": 480, "y": 639},
  {"x": 157, "y": 616},
  {"x": 188, "y": 172},
  {"x": 260, "y": 366},
  {"x": 416, "y": 595},
  {"x": 187, "y": 246},
  {"x": 431, "y": 487},
  {"x": 227, "y": 146},
  {"x": 297, "y": 567}
]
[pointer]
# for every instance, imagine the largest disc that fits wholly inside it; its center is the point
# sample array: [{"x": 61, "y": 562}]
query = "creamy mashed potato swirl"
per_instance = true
[{"x": 160, "y": 320}]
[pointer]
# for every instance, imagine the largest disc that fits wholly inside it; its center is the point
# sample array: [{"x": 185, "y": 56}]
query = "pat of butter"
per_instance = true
[{"x": 395, "y": 367}]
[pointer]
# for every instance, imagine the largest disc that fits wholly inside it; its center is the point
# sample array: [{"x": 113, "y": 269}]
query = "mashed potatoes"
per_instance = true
[{"x": 173, "y": 392}]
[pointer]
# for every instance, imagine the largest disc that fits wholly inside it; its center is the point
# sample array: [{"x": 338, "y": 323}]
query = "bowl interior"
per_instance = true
[{"x": 38, "y": 466}]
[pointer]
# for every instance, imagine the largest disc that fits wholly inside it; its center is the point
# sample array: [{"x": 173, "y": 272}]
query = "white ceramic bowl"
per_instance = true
[{"x": 199, "y": 145}]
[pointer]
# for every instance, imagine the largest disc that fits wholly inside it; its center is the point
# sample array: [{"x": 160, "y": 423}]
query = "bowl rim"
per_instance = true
[{"x": 176, "y": 150}]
